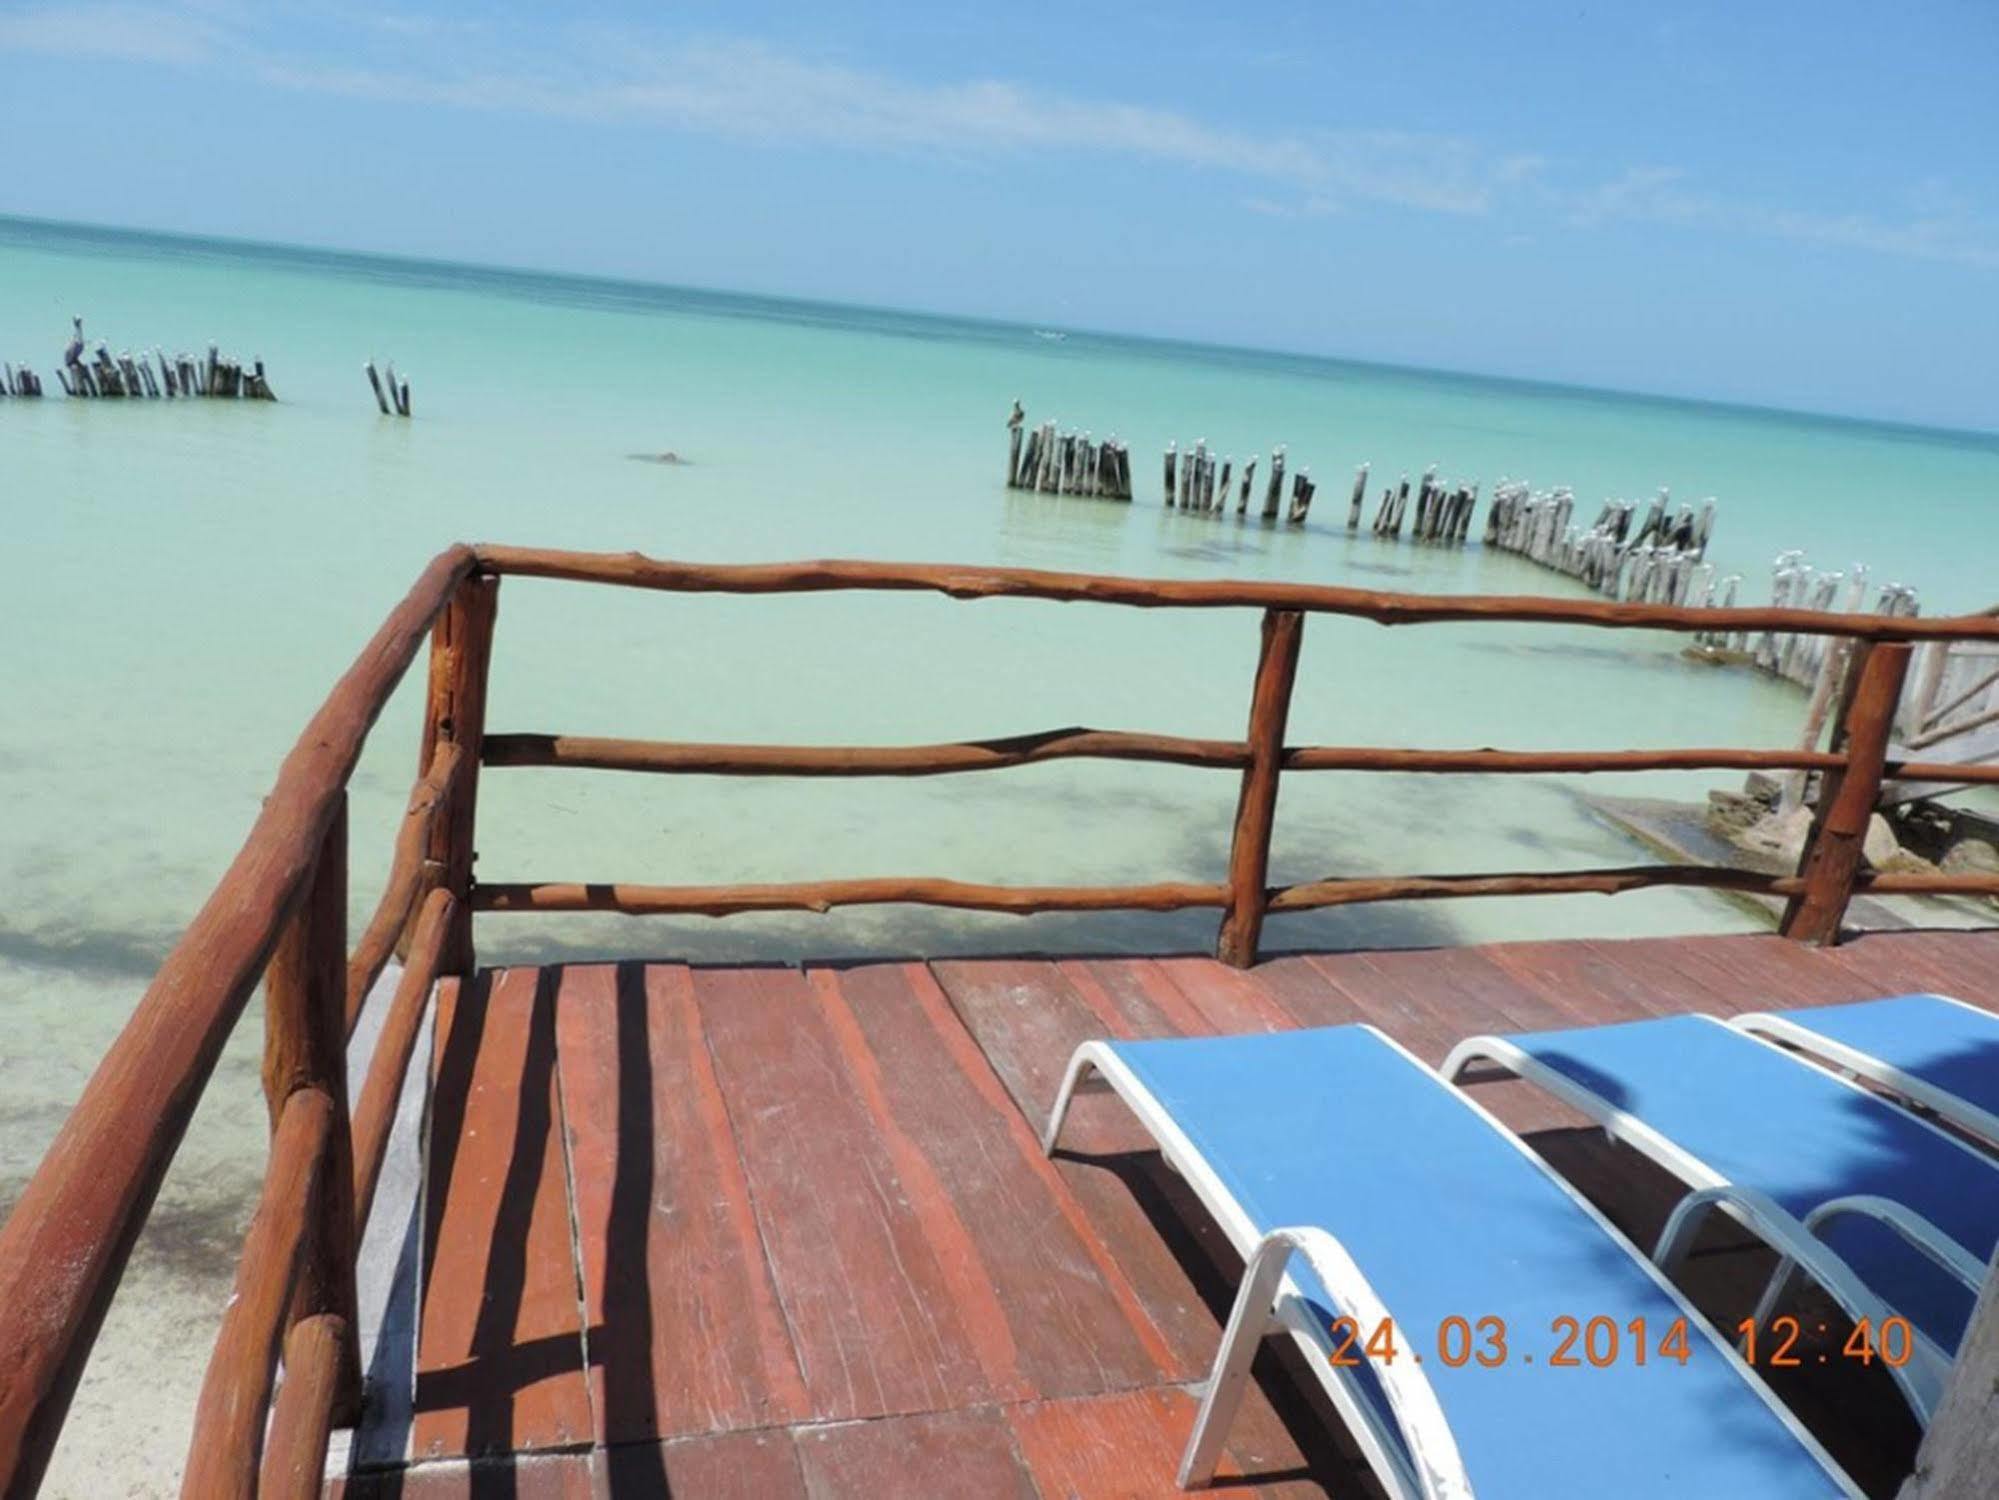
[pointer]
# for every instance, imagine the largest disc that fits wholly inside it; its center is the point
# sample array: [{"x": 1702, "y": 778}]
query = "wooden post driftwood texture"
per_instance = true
[
  {"x": 1256, "y": 806},
  {"x": 305, "y": 1047},
  {"x": 1831, "y": 861},
  {"x": 298, "y": 1263},
  {"x": 460, "y": 651},
  {"x": 67, "y": 1241}
]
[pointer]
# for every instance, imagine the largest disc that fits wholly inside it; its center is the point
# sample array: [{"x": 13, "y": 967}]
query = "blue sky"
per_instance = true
[{"x": 1792, "y": 204}]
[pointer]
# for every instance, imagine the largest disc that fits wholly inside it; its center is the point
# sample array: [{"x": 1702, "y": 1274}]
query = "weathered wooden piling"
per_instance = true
[
  {"x": 153, "y": 377},
  {"x": 1652, "y": 551},
  {"x": 1044, "y": 458},
  {"x": 1465, "y": 518},
  {"x": 1273, "y": 490},
  {"x": 1302, "y": 490}
]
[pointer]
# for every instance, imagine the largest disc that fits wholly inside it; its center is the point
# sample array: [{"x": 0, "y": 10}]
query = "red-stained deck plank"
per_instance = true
[
  {"x": 1896, "y": 963},
  {"x": 871, "y": 1310},
  {"x": 1132, "y": 1003},
  {"x": 733, "y": 1466},
  {"x": 1603, "y": 990},
  {"x": 1413, "y": 1004},
  {"x": 1468, "y": 987},
  {"x": 1231, "y": 1000},
  {"x": 1311, "y": 996},
  {"x": 686, "y": 1332},
  {"x": 1107, "y": 1447},
  {"x": 954, "y": 1455},
  {"x": 1028, "y": 1020},
  {"x": 1688, "y": 977},
  {"x": 500, "y": 1352},
  {"x": 1050, "y": 1310},
  {"x": 540, "y": 1476},
  {"x": 1423, "y": 1015},
  {"x": 1969, "y": 962},
  {"x": 1125, "y": 1445},
  {"x": 840, "y": 1168}
]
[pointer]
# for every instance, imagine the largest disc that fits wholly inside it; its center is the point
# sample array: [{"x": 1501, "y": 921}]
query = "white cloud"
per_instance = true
[
  {"x": 1657, "y": 195},
  {"x": 1942, "y": 225},
  {"x": 124, "y": 33},
  {"x": 748, "y": 90}
]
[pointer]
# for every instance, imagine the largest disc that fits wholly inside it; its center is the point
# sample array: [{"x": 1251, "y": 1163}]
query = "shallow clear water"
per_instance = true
[{"x": 180, "y": 583}]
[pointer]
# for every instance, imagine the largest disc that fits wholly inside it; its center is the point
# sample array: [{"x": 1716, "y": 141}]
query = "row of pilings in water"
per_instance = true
[
  {"x": 100, "y": 375},
  {"x": 1657, "y": 556},
  {"x": 1065, "y": 463},
  {"x": 181, "y": 378},
  {"x": 1633, "y": 551}
]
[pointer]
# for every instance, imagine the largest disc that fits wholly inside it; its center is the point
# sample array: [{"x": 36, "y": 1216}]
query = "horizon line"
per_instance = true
[{"x": 1983, "y": 436}]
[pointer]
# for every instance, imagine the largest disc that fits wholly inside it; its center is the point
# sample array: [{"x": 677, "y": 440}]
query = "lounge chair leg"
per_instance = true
[
  {"x": 1682, "y": 1225},
  {"x": 1773, "y": 1292},
  {"x": 1082, "y": 1062},
  {"x": 1248, "y": 1320}
]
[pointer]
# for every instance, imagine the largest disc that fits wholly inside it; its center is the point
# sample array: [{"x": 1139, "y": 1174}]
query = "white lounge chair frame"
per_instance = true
[
  {"x": 1923, "y": 1377},
  {"x": 1856, "y": 1064},
  {"x": 1433, "y": 1470}
]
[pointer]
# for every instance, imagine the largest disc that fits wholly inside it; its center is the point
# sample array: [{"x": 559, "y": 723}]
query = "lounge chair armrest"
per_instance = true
[
  {"x": 1920, "y": 1094},
  {"x": 1922, "y": 1378},
  {"x": 1924, "y": 1236},
  {"x": 1436, "y": 1468},
  {"x": 1517, "y": 1060}
]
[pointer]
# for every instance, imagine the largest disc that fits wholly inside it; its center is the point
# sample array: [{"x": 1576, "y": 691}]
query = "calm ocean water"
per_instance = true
[{"x": 181, "y": 582}]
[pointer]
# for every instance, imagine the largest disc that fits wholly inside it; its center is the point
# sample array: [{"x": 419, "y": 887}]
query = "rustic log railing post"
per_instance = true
[
  {"x": 455, "y": 712},
  {"x": 1256, "y": 805},
  {"x": 1832, "y": 855},
  {"x": 305, "y": 1047}
]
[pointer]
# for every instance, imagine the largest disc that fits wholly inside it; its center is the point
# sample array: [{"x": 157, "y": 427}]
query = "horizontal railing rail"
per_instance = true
[
  {"x": 635, "y": 570},
  {"x": 279, "y": 915},
  {"x": 1816, "y": 896},
  {"x": 691, "y": 758}
]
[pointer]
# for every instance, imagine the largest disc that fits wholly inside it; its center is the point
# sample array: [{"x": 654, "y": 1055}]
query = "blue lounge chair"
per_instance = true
[
  {"x": 1907, "y": 1209},
  {"x": 1356, "y": 1184},
  {"x": 1938, "y": 1053}
]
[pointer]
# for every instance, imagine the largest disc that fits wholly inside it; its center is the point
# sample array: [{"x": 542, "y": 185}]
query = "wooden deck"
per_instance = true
[{"x": 777, "y": 1232}]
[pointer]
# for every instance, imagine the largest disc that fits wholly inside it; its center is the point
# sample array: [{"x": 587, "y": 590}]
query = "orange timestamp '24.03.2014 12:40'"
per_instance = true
[{"x": 1600, "y": 1342}]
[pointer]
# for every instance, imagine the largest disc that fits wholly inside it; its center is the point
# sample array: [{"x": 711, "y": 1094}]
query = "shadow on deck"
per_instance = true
[{"x": 778, "y": 1232}]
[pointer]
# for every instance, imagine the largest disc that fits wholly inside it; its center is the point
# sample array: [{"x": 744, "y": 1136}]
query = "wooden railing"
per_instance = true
[
  {"x": 1817, "y": 895},
  {"x": 279, "y": 915}
]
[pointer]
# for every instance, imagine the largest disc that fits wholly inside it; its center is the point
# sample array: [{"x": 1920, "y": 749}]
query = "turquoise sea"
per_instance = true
[{"x": 180, "y": 583}]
